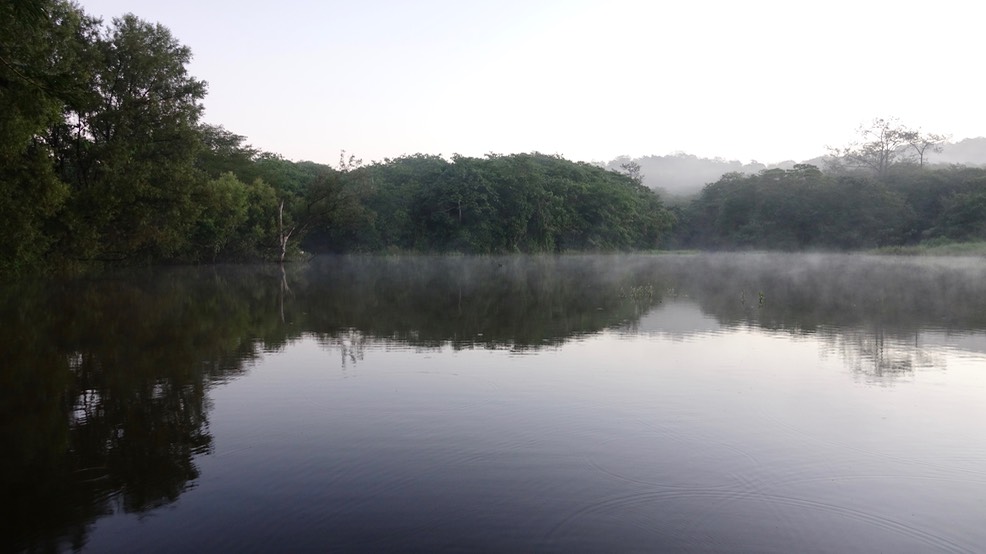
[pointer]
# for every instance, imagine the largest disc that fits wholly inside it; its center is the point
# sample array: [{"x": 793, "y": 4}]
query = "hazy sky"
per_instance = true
[{"x": 589, "y": 80}]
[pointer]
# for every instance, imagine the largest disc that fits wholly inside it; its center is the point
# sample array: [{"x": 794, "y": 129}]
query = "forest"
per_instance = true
[
  {"x": 806, "y": 208},
  {"x": 105, "y": 159}
]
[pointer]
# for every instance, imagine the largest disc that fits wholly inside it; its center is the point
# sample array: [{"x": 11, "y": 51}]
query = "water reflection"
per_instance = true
[
  {"x": 104, "y": 398},
  {"x": 885, "y": 317},
  {"x": 880, "y": 357},
  {"x": 510, "y": 302}
]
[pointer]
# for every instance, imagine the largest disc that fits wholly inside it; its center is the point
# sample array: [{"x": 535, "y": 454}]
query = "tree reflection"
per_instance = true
[
  {"x": 802, "y": 293},
  {"x": 104, "y": 389},
  {"x": 494, "y": 302},
  {"x": 878, "y": 356},
  {"x": 104, "y": 397},
  {"x": 872, "y": 310}
]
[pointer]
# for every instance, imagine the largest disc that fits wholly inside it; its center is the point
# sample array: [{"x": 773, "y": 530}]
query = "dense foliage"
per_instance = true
[
  {"x": 103, "y": 157},
  {"x": 517, "y": 203},
  {"x": 806, "y": 208},
  {"x": 877, "y": 191}
]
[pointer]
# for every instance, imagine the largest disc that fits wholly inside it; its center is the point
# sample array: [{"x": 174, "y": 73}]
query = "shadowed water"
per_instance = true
[{"x": 749, "y": 402}]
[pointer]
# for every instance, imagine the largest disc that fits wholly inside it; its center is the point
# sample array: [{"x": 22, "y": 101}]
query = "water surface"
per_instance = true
[{"x": 758, "y": 403}]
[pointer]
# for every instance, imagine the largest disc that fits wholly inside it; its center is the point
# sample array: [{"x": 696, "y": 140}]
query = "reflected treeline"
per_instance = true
[
  {"x": 872, "y": 310},
  {"x": 816, "y": 292},
  {"x": 103, "y": 401},
  {"x": 514, "y": 302},
  {"x": 880, "y": 357},
  {"x": 103, "y": 388}
]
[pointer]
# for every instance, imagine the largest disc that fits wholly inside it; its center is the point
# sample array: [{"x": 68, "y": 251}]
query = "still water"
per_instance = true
[{"x": 706, "y": 403}]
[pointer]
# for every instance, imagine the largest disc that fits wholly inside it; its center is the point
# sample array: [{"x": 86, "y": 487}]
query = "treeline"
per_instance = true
[
  {"x": 804, "y": 208},
  {"x": 877, "y": 191},
  {"x": 496, "y": 204},
  {"x": 104, "y": 158},
  {"x": 516, "y": 203}
]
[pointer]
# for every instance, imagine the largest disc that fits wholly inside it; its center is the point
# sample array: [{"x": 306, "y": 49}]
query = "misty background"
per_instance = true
[{"x": 679, "y": 174}]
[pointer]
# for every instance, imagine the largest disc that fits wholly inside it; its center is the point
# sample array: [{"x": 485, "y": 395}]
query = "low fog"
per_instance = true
[
  {"x": 522, "y": 302},
  {"x": 680, "y": 174}
]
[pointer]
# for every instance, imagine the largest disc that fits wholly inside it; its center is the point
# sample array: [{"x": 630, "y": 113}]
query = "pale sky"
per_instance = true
[{"x": 590, "y": 80}]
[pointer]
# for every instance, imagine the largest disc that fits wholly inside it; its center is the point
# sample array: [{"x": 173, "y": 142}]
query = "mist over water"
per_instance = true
[{"x": 742, "y": 402}]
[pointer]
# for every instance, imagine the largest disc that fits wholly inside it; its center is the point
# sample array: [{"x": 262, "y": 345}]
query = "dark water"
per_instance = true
[{"x": 741, "y": 403}]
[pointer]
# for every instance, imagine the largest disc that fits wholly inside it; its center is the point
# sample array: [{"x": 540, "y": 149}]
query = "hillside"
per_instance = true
[
  {"x": 679, "y": 175},
  {"x": 970, "y": 151}
]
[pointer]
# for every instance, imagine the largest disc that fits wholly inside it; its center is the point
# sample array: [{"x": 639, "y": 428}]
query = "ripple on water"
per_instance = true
[
  {"x": 696, "y": 493},
  {"x": 737, "y": 520}
]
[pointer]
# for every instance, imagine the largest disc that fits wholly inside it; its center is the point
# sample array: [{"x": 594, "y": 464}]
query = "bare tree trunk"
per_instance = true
[
  {"x": 284, "y": 289},
  {"x": 283, "y": 234}
]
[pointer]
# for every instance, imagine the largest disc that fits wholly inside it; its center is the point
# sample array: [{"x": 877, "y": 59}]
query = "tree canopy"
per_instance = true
[
  {"x": 104, "y": 158},
  {"x": 804, "y": 208}
]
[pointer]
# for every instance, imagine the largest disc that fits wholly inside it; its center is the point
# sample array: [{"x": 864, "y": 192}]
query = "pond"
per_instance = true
[{"x": 699, "y": 403}]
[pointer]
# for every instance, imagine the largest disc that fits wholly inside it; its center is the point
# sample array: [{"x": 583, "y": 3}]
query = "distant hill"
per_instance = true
[
  {"x": 678, "y": 175},
  {"x": 683, "y": 174},
  {"x": 970, "y": 151}
]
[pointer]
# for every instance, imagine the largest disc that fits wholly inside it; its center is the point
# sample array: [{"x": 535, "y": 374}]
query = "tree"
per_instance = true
[
  {"x": 883, "y": 144},
  {"x": 225, "y": 151},
  {"x": 632, "y": 170},
  {"x": 224, "y": 211},
  {"x": 128, "y": 146},
  {"x": 922, "y": 143},
  {"x": 797, "y": 208},
  {"x": 40, "y": 44},
  {"x": 879, "y": 146},
  {"x": 455, "y": 210},
  {"x": 332, "y": 200}
]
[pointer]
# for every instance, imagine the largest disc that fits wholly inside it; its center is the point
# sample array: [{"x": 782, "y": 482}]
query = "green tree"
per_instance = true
[
  {"x": 455, "y": 211},
  {"x": 226, "y": 152},
  {"x": 330, "y": 204},
  {"x": 797, "y": 208},
  {"x": 40, "y": 45},
  {"x": 963, "y": 216},
  {"x": 632, "y": 170},
  {"x": 223, "y": 204},
  {"x": 128, "y": 147},
  {"x": 393, "y": 197}
]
